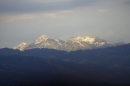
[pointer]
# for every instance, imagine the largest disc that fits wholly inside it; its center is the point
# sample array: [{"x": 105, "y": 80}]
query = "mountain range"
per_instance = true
[{"x": 72, "y": 44}]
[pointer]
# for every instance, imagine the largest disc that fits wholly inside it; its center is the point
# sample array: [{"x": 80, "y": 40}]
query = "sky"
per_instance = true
[{"x": 26, "y": 20}]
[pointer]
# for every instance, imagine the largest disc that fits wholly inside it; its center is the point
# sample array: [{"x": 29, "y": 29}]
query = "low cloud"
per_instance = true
[
  {"x": 12, "y": 18},
  {"x": 102, "y": 10},
  {"x": 32, "y": 6},
  {"x": 127, "y": 2}
]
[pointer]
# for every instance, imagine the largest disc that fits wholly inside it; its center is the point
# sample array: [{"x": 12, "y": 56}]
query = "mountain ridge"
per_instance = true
[
  {"x": 72, "y": 44},
  {"x": 111, "y": 65}
]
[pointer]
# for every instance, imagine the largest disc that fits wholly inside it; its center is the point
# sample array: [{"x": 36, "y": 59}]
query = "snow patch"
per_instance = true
[
  {"x": 40, "y": 39},
  {"x": 21, "y": 46},
  {"x": 83, "y": 39}
]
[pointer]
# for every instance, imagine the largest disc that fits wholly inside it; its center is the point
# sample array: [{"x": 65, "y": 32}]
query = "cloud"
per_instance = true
[
  {"x": 127, "y": 2},
  {"x": 51, "y": 15},
  {"x": 63, "y": 18},
  {"x": 66, "y": 11},
  {"x": 12, "y": 18},
  {"x": 32, "y": 6},
  {"x": 102, "y": 10},
  {"x": 19, "y": 17},
  {"x": 48, "y": 1}
]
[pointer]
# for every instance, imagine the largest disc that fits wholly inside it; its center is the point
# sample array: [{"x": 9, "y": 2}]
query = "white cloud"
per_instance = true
[
  {"x": 66, "y": 11},
  {"x": 16, "y": 17},
  {"x": 51, "y": 15},
  {"x": 47, "y": 1},
  {"x": 102, "y": 10},
  {"x": 20, "y": 17},
  {"x": 12, "y": 18}
]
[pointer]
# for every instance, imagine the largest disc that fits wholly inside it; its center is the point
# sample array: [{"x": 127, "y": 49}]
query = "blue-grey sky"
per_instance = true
[{"x": 26, "y": 20}]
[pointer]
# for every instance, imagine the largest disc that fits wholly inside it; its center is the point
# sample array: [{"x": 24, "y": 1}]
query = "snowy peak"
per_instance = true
[
  {"x": 46, "y": 39},
  {"x": 40, "y": 39},
  {"x": 72, "y": 44},
  {"x": 85, "y": 42},
  {"x": 46, "y": 42},
  {"x": 59, "y": 41},
  {"x": 21, "y": 46},
  {"x": 88, "y": 39}
]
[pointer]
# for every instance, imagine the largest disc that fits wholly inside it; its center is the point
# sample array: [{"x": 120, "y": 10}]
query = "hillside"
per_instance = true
[
  {"x": 19, "y": 70},
  {"x": 106, "y": 66}
]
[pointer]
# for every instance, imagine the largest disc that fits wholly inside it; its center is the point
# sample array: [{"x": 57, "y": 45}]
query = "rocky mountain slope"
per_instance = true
[
  {"x": 72, "y": 44},
  {"x": 21, "y": 46}
]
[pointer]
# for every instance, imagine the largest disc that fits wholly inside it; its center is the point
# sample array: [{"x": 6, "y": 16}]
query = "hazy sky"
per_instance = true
[{"x": 26, "y": 20}]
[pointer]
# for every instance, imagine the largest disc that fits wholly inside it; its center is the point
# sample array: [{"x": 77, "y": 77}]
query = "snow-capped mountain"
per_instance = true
[
  {"x": 21, "y": 46},
  {"x": 85, "y": 42},
  {"x": 72, "y": 44},
  {"x": 46, "y": 42}
]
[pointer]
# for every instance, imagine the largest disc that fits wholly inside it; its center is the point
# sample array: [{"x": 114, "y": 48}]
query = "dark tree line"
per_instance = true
[{"x": 108, "y": 66}]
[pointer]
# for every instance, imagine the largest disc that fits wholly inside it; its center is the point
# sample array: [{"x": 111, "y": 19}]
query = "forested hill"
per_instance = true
[
  {"x": 112, "y": 53},
  {"x": 108, "y": 66},
  {"x": 28, "y": 70}
]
